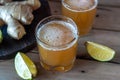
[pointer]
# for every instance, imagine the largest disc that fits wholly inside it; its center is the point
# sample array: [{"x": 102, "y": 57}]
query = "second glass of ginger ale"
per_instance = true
[{"x": 82, "y": 12}]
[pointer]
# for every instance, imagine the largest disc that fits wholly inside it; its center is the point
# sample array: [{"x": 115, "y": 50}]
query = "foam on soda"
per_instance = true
[
  {"x": 79, "y": 5},
  {"x": 57, "y": 33}
]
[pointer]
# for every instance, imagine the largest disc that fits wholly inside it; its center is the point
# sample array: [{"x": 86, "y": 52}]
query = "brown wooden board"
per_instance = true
[
  {"x": 107, "y": 38},
  {"x": 10, "y": 46},
  {"x": 82, "y": 70}
]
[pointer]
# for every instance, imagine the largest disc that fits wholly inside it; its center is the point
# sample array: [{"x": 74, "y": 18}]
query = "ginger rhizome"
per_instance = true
[{"x": 15, "y": 13}]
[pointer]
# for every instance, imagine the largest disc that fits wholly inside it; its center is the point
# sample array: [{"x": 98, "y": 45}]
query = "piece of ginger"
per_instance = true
[
  {"x": 14, "y": 12},
  {"x": 10, "y": 14}
]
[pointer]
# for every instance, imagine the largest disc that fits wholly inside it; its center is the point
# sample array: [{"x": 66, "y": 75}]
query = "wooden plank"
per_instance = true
[
  {"x": 7, "y": 70},
  {"x": 83, "y": 70},
  {"x": 107, "y": 18},
  {"x": 113, "y": 3},
  {"x": 108, "y": 38},
  {"x": 55, "y": 7}
]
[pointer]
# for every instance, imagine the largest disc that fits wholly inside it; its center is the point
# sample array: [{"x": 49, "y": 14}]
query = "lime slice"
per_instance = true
[
  {"x": 1, "y": 36},
  {"x": 99, "y": 52},
  {"x": 24, "y": 66}
]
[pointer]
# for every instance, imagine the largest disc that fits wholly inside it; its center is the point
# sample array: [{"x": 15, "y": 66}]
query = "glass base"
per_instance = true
[{"x": 56, "y": 68}]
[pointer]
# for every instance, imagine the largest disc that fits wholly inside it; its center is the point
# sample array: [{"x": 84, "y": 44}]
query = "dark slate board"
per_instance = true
[{"x": 10, "y": 47}]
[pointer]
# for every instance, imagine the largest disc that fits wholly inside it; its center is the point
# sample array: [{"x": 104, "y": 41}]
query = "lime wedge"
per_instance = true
[
  {"x": 24, "y": 66},
  {"x": 99, "y": 52},
  {"x": 1, "y": 36}
]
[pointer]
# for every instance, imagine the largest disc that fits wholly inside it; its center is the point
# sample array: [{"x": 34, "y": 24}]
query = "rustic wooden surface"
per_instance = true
[{"x": 106, "y": 30}]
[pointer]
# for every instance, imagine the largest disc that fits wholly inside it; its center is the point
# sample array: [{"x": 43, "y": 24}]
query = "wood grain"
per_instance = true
[
  {"x": 107, "y": 18},
  {"x": 55, "y": 7},
  {"x": 83, "y": 70},
  {"x": 112, "y": 3},
  {"x": 107, "y": 38}
]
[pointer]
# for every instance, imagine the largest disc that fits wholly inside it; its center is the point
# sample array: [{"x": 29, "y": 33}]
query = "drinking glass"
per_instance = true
[
  {"x": 57, "y": 40},
  {"x": 82, "y": 12}
]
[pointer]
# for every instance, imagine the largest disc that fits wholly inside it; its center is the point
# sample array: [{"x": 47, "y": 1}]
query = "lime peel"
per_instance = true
[
  {"x": 30, "y": 65},
  {"x": 25, "y": 68},
  {"x": 99, "y": 52}
]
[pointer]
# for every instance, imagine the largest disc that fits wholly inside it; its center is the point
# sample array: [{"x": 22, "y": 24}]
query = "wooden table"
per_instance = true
[{"x": 106, "y": 30}]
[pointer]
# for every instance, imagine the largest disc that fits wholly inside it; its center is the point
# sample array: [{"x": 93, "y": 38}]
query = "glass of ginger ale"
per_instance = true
[
  {"x": 82, "y": 12},
  {"x": 57, "y": 39}
]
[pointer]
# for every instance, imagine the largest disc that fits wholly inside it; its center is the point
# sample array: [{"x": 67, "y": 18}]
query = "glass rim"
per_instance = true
[
  {"x": 91, "y": 8},
  {"x": 60, "y": 46}
]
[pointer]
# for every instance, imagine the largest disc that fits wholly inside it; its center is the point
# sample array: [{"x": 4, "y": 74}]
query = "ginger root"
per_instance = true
[
  {"x": 15, "y": 13},
  {"x": 15, "y": 30}
]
